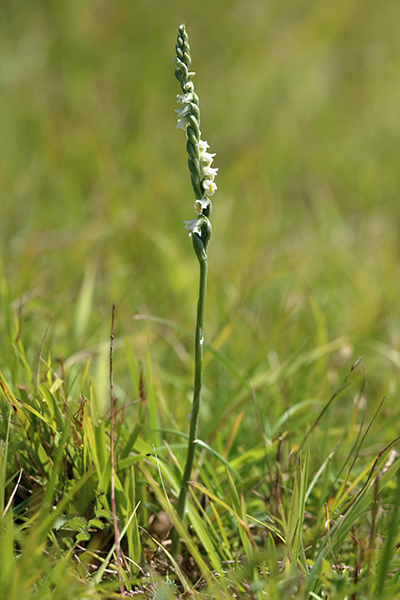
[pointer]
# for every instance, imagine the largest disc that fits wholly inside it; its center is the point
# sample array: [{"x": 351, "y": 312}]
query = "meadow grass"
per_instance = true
[{"x": 294, "y": 492}]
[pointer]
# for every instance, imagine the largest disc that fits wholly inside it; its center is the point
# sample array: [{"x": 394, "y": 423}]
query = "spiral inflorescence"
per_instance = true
[{"x": 200, "y": 160}]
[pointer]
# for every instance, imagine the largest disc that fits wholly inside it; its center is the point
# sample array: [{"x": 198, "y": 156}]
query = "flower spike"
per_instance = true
[
  {"x": 200, "y": 160},
  {"x": 199, "y": 229}
]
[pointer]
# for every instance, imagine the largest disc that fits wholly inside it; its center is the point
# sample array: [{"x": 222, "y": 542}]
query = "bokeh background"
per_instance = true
[{"x": 300, "y": 101}]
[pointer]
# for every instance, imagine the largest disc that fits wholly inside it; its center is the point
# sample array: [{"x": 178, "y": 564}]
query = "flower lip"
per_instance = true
[
  {"x": 209, "y": 173},
  {"x": 193, "y": 226},
  {"x": 203, "y": 145},
  {"x": 209, "y": 186},
  {"x": 200, "y": 205},
  {"x": 206, "y": 158},
  {"x": 182, "y": 123},
  {"x": 183, "y": 111},
  {"x": 185, "y": 98}
]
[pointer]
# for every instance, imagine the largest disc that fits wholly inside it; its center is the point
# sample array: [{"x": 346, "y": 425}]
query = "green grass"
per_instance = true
[{"x": 289, "y": 499}]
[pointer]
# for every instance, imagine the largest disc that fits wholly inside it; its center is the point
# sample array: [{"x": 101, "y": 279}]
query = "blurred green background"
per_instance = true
[{"x": 300, "y": 101}]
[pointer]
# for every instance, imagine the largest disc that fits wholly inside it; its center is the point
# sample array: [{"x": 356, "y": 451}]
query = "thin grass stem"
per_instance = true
[{"x": 112, "y": 461}]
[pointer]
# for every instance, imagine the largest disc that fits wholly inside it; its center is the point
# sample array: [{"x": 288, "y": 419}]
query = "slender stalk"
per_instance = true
[
  {"x": 112, "y": 462},
  {"x": 198, "y": 382},
  {"x": 202, "y": 177}
]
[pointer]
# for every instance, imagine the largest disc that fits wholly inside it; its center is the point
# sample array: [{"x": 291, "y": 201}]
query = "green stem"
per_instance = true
[{"x": 194, "y": 417}]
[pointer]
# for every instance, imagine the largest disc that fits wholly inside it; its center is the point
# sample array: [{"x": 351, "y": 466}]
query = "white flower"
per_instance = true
[
  {"x": 209, "y": 173},
  {"x": 182, "y": 124},
  {"x": 206, "y": 158},
  {"x": 203, "y": 146},
  {"x": 185, "y": 98},
  {"x": 199, "y": 205},
  {"x": 193, "y": 226},
  {"x": 209, "y": 186},
  {"x": 183, "y": 111}
]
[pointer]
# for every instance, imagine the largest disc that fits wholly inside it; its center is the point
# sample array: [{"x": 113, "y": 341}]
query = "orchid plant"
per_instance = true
[{"x": 199, "y": 229}]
